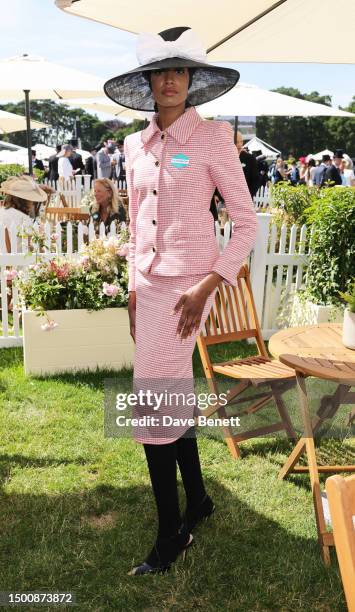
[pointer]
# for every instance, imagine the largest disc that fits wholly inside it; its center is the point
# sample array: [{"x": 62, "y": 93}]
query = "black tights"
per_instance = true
[{"x": 162, "y": 460}]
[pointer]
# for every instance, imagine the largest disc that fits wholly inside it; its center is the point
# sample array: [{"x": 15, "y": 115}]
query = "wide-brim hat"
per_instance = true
[
  {"x": 23, "y": 187},
  {"x": 177, "y": 47}
]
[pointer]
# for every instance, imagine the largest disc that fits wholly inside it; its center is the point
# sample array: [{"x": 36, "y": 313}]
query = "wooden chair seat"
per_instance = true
[
  {"x": 257, "y": 369},
  {"x": 233, "y": 318}
]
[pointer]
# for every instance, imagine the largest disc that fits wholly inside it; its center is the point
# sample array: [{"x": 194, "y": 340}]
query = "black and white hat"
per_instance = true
[{"x": 177, "y": 47}]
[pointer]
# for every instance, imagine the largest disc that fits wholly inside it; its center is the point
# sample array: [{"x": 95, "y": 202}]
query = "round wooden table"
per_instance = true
[{"x": 316, "y": 351}]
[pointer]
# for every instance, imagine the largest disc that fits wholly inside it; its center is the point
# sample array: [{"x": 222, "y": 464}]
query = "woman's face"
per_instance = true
[
  {"x": 170, "y": 86},
  {"x": 102, "y": 194}
]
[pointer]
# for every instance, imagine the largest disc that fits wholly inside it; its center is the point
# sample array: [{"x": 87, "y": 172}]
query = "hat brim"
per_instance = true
[
  {"x": 29, "y": 196},
  {"x": 209, "y": 82}
]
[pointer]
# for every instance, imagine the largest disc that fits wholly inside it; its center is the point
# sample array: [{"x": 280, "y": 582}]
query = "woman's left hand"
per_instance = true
[{"x": 192, "y": 303}]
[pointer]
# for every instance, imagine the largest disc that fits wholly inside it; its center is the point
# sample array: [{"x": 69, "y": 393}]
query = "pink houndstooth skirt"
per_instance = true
[{"x": 163, "y": 373}]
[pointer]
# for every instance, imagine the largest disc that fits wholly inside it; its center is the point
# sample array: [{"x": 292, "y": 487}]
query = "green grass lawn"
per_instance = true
[{"x": 77, "y": 511}]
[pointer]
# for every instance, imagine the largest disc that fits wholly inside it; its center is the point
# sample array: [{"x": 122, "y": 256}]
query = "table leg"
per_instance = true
[
  {"x": 313, "y": 468},
  {"x": 324, "y": 412}
]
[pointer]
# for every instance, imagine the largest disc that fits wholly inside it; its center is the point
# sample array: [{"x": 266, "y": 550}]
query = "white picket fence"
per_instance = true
[
  {"x": 262, "y": 198},
  {"x": 278, "y": 264}
]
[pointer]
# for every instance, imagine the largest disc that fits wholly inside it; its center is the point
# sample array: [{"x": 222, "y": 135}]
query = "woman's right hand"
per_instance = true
[{"x": 132, "y": 313}]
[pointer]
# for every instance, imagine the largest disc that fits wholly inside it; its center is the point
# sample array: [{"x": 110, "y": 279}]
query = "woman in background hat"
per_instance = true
[
  {"x": 19, "y": 207},
  {"x": 173, "y": 167}
]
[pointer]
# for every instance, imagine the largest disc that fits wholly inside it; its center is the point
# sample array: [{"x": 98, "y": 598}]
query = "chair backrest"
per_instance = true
[
  {"x": 233, "y": 315},
  {"x": 341, "y": 498},
  {"x": 56, "y": 214}
]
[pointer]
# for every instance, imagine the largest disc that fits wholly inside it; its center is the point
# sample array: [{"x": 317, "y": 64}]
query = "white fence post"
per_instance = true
[{"x": 258, "y": 261}]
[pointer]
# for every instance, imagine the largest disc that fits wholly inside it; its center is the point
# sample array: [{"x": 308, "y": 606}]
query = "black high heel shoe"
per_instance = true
[
  {"x": 192, "y": 518},
  {"x": 164, "y": 552}
]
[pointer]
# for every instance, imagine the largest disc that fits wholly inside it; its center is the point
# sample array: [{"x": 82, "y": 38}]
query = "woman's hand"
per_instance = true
[
  {"x": 132, "y": 313},
  {"x": 192, "y": 303}
]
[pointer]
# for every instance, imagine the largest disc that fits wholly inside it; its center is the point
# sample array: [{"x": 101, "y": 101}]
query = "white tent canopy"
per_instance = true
[
  {"x": 246, "y": 100},
  {"x": 11, "y": 122},
  {"x": 257, "y": 31},
  {"x": 256, "y": 144},
  {"x": 318, "y": 156}
]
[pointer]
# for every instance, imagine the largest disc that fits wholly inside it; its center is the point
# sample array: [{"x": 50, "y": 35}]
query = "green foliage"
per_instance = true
[
  {"x": 291, "y": 202},
  {"x": 135, "y": 126},
  {"x": 350, "y": 296},
  {"x": 295, "y": 136},
  {"x": 7, "y": 170},
  {"x": 61, "y": 118},
  {"x": 332, "y": 257},
  {"x": 39, "y": 174}
]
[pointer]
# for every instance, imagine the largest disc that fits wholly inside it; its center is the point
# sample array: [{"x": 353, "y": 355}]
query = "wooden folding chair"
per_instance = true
[
  {"x": 232, "y": 318},
  {"x": 341, "y": 498}
]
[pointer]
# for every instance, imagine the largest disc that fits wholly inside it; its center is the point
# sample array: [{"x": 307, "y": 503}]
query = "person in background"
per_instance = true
[
  {"x": 120, "y": 166},
  {"x": 76, "y": 161},
  {"x": 37, "y": 163},
  {"x": 320, "y": 171},
  {"x": 280, "y": 171},
  {"x": 108, "y": 206},
  {"x": 53, "y": 164},
  {"x": 104, "y": 161},
  {"x": 308, "y": 176},
  {"x": 91, "y": 164},
  {"x": 262, "y": 167},
  {"x": 293, "y": 173},
  {"x": 333, "y": 172},
  {"x": 22, "y": 194},
  {"x": 348, "y": 176},
  {"x": 249, "y": 165},
  {"x": 302, "y": 170},
  {"x": 65, "y": 169}
]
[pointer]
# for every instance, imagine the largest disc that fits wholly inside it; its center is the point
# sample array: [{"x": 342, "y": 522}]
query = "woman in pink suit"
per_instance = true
[{"x": 173, "y": 167}]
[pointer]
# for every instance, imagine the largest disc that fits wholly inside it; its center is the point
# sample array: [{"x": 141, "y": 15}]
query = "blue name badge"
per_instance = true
[{"x": 180, "y": 160}]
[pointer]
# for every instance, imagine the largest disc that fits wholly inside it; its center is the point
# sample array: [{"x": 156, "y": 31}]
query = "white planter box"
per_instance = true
[
  {"x": 82, "y": 340},
  {"x": 307, "y": 313}
]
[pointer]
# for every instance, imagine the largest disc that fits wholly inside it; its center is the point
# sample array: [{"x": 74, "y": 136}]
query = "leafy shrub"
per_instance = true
[
  {"x": 350, "y": 296},
  {"x": 331, "y": 265},
  {"x": 291, "y": 202},
  {"x": 7, "y": 170}
]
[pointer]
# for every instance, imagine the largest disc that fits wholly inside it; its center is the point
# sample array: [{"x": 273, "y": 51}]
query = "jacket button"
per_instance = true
[
  {"x": 157, "y": 163},
  {"x": 153, "y": 249},
  {"x": 162, "y": 136},
  {"x": 155, "y": 192},
  {"x": 154, "y": 222}
]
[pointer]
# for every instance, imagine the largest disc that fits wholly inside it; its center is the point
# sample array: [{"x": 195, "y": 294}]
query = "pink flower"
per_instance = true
[
  {"x": 54, "y": 236},
  {"x": 49, "y": 326},
  {"x": 124, "y": 250},
  {"x": 85, "y": 260},
  {"x": 62, "y": 271},
  {"x": 10, "y": 274},
  {"x": 110, "y": 290}
]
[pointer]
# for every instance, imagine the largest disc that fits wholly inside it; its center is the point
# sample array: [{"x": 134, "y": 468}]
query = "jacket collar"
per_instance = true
[{"x": 181, "y": 129}]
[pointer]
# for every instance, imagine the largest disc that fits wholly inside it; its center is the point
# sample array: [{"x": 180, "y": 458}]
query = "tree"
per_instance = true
[
  {"x": 62, "y": 119},
  {"x": 296, "y": 136}
]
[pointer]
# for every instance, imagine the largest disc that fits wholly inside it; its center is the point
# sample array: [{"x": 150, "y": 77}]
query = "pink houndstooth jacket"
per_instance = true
[{"x": 171, "y": 177}]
